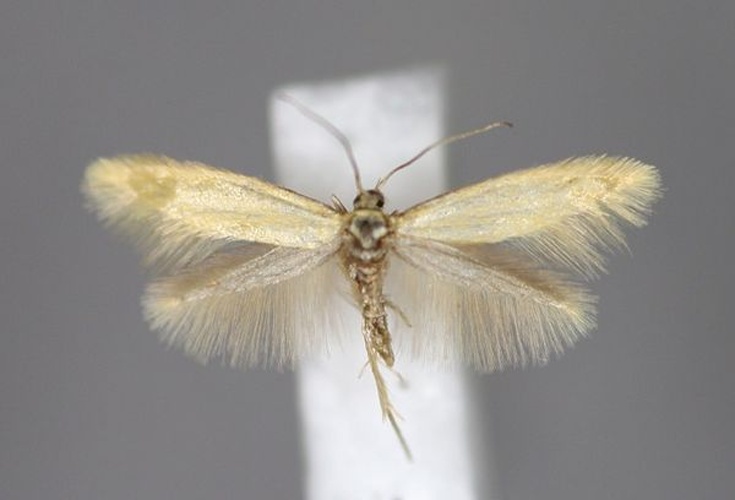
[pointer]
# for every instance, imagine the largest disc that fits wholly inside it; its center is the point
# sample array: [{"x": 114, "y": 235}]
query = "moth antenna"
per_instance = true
[
  {"x": 329, "y": 127},
  {"x": 441, "y": 142}
]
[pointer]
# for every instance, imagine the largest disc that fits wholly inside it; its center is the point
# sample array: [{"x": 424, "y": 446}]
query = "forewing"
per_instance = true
[
  {"x": 180, "y": 212},
  {"x": 271, "y": 309},
  {"x": 492, "y": 313},
  {"x": 564, "y": 213}
]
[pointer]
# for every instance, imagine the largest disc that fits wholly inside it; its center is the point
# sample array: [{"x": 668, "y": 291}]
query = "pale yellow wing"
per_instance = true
[
  {"x": 564, "y": 213},
  {"x": 493, "y": 313},
  {"x": 246, "y": 270},
  {"x": 269, "y": 309},
  {"x": 180, "y": 212}
]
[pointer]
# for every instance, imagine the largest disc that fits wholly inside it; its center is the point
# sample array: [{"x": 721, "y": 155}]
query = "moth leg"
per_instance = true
[
  {"x": 373, "y": 362},
  {"x": 399, "y": 311},
  {"x": 362, "y": 370},
  {"x": 387, "y": 410},
  {"x": 401, "y": 379}
]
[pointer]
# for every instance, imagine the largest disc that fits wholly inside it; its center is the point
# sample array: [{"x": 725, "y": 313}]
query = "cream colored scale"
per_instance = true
[{"x": 488, "y": 274}]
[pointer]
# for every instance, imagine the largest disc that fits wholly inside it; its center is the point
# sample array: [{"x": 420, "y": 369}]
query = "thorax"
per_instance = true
[{"x": 367, "y": 236}]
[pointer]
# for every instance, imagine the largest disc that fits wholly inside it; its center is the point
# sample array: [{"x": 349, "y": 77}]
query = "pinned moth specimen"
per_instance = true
[{"x": 489, "y": 274}]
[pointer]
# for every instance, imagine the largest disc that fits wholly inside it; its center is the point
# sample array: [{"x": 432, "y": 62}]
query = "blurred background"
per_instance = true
[{"x": 93, "y": 407}]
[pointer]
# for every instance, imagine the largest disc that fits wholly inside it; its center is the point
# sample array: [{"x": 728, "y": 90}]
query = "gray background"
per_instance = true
[{"x": 92, "y": 407}]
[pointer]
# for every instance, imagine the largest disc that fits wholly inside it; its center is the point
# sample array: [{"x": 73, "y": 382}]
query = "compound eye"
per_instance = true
[{"x": 378, "y": 198}]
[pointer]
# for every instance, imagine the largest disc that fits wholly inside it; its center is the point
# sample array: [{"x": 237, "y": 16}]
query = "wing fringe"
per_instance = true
[
  {"x": 268, "y": 311},
  {"x": 500, "y": 312}
]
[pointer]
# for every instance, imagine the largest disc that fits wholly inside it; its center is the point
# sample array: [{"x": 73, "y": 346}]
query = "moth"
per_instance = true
[{"x": 489, "y": 274}]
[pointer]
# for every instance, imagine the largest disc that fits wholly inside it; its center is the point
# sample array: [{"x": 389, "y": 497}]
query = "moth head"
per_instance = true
[{"x": 371, "y": 199}]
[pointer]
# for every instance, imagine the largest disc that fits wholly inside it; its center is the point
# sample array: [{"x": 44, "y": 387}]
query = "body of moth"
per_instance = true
[
  {"x": 239, "y": 262},
  {"x": 364, "y": 252},
  {"x": 365, "y": 249}
]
